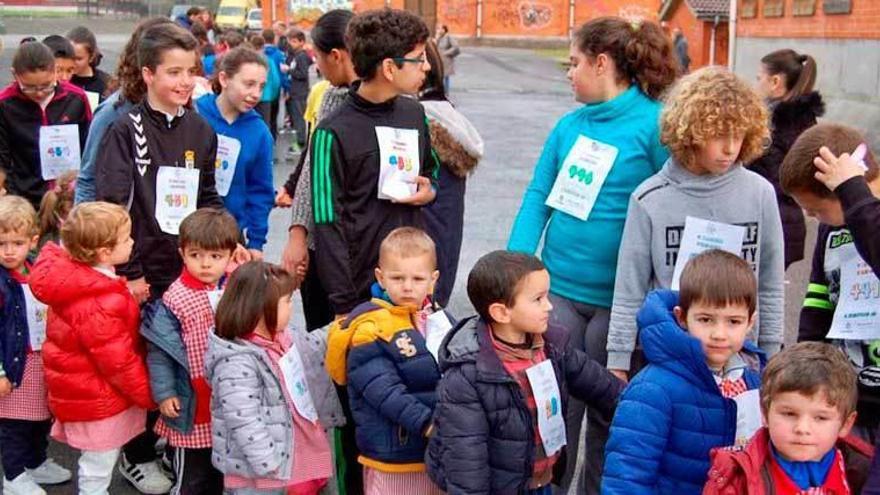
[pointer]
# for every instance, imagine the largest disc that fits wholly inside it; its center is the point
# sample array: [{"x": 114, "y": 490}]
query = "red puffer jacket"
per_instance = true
[{"x": 93, "y": 355}]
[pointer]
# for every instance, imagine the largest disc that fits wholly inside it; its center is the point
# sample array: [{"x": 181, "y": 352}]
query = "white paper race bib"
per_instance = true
[
  {"x": 59, "y": 149},
  {"x": 228, "y": 150},
  {"x": 94, "y": 99},
  {"x": 857, "y": 315},
  {"x": 436, "y": 328},
  {"x": 36, "y": 318},
  {"x": 551, "y": 425},
  {"x": 399, "y": 162},
  {"x": 177, "y": 193},
  {"x": 748, "y": 415},
  {"x": 214, "y": 298},
  {"x": 702, "y": 235},
  {"x": 295, "y": 379},
  {"x": 581, "y": 177}
]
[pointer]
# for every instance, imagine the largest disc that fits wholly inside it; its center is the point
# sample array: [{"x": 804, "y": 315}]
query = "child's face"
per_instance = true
[
  {"x": 410, "y": 76},
  {"x": 721, "y": 330},
  {"x": 64, "y": 68},
  {"x": 805, "y": 427},
  {"x": 14, "y": 248},
  {"x": 826, "y": 210},
  {"x": 717, "y": 155},
  {"x": 82, "y": 59},
  {"x": 296, "y": 44},
  {"x": 206, "y": 265},
  {"x": 173, "y": 81},
  {"x": 770, "y": 86},
  {"x": 121, "y": 252},
  {"x": 244, "y": 89},
  {"x": 531, "y": 308},
  {"x": 582, "y": 74},
  {"x": 36, "y": 85},
  {"x": 283, "y": 313},
  {"x": 408, "y": 280}
]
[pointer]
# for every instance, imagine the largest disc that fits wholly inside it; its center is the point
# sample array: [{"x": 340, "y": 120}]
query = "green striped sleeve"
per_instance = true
[
  {"x": 435, "y": 173},
  {"x": 812, "y": 302},
  {"x": 818, "y": 289},
  {"x": 322, "y": 186}
]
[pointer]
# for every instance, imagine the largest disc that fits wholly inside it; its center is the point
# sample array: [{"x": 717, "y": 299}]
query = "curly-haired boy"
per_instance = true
[{"x": 703, "y": 198}]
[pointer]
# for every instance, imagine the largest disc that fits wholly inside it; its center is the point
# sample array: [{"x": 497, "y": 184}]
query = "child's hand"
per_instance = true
[
  {"x": 621, "y": 374},
  {"x": 5, "y": 387},
  {"x": 140, "y": 289},
  {"x": 835, "y": 170},
  {"x": 283, "y": 200},
  {"x": 425, "y": 193},
  {"x": 170, "y": 407},
  {"x": 256, "y": 254}
]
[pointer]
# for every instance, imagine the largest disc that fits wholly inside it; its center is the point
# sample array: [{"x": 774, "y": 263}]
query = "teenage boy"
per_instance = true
[
  {"x": 371, "y": 159},
  {"x": 65, "y": 56},
  {"x": 808, "y": 401},
  {"x": 698, "y": 391},
  {"x": 299, "y": 63},
  {"x": 834, "y": 176},
  {"x": 500, "y": 372}
]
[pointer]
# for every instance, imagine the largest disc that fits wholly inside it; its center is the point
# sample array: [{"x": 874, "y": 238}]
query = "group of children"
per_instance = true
[{"x": 141, "y": 316}]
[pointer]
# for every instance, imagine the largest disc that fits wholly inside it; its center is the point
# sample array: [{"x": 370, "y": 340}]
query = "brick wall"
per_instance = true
[{"x": 862, "y": 23}]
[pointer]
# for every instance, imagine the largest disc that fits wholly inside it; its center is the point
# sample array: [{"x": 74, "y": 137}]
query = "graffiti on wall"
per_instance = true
[{"x": 523, "y": 15}]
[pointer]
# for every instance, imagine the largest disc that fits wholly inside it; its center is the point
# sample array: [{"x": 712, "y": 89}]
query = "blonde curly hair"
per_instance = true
[{"x": 713, "y": 103}]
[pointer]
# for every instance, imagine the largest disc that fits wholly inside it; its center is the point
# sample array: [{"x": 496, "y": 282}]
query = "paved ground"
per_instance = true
[{"x": 512, "y": 96}]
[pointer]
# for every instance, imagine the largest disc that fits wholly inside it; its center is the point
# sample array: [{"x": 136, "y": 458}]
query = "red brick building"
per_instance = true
[{"x": 704, "y": 24}]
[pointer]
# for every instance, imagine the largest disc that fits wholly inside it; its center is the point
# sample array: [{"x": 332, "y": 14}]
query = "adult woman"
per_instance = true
[{"x": 449, "y": 50}]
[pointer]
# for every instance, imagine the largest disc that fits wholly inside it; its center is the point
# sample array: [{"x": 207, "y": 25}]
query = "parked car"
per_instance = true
[{"x": 255, "y": 20}]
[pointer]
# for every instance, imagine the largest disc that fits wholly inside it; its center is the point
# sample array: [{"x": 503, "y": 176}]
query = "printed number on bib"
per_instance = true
[
  {"x": 177, "y": 191},
  {"x": 228, "y": 150},
  {"x": 295, "y": 379},
  {"x": 548, "y": 400},
  {"x": 36, "y": 318},
  {"x": 856, "y": 315},
  {"x": 702, "y": 235},
  {"x": 59, "y": 149},
  {"x": 581, "y": 177},
  {"x": 398, "y": 162}
]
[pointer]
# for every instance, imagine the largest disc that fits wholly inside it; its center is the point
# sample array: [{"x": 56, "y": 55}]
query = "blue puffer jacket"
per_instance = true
[
  {"x": 484, "y": 441},
  {"x": 672, "y": 413},
  {"x": 14, "y": 336}
]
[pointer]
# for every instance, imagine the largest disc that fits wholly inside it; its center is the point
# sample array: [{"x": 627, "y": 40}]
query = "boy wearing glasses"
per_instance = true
[
  {"x": 371, "y": 160},
  {"x": 43, "y": 123}
]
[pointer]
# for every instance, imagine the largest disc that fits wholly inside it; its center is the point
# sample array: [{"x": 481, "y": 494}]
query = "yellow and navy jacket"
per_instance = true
[
  {"x": 392, "y": 381},
  {"x": 350, "y": 220}
]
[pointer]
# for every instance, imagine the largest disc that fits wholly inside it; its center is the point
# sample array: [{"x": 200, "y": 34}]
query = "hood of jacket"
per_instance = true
[
  {"x": 242, "y": 127},
  {"x": 456, "y": 141},
  {"x": 666, "y": 344},
  {"x": 808, "y": 106},
  {"x": 79, "y": 281},
  {"x": 220, "y": 349},
  {"x": 699, "y": 186}
]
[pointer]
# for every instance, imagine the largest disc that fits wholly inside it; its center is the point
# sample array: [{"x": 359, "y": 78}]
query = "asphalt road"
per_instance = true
[{"x": 512, "y": 96}]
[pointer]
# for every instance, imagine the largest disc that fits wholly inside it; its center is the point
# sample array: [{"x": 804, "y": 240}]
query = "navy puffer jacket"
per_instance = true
[
  {"x": 484, "y": 441},
  {"x": 14, "y": 335}
]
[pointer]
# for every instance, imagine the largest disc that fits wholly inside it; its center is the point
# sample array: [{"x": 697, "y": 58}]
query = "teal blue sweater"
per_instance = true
[{"x": 581, "y": 256}]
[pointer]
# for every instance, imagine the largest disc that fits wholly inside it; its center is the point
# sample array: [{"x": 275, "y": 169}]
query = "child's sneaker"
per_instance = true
[
  {"x": 50, "y": 473},
  {"x": 22, "y": 485},
  {"x": 146, "y": 477}
]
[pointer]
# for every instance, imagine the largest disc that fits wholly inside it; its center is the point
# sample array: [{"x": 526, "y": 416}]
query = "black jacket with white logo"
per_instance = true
[{"x": 131, "y": 152}]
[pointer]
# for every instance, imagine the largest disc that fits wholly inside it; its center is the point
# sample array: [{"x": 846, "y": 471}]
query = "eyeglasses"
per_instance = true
[
  {"x": 419, "y": 61},
  {"x": 32, "y": 90}
]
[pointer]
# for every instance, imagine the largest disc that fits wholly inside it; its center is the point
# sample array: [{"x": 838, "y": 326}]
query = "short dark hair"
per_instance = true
[
  {"x": 376, "y": 35},
  {"x": 496, "y": 278},
  {"x": 257, "y": 42},
  {"x": 717, "y": 278},
  {"x": 232, "y": 39},
  {"x": 296, "y": 34},
  {"x": 797, "y": 173},
  {"x": 329, "y": 31},
  {"x": 61, "y": 47},
  {"x": 209, "y": 228},
  {"x": 269, "y": 36},
  {"x": 162, "y": 38},
  {"x": 195, "y": 11},
  {"x": 810, "y": 368},
  {"x": 31, "y": 57},
  {"x": 252, "y": 294}
]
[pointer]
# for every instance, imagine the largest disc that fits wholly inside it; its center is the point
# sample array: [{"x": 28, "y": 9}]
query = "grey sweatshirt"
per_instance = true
[{"x": 653, "y": 232}]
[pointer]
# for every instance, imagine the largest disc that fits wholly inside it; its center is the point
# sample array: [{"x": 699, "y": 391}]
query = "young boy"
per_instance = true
[
  {"x": 299, "y": 63},
  {"x": 176, "y": 329},
  {"x": 158, "y": 158},
  {"x": 703, "y": 197},
  {"x": 30, "y": 134},
  {"x": 499, "y": 424},
  {"x": 65, "y": 56},
  {"x": 808, "y": 400},
  {"x": 698, "y": 390},
  {"x": 380, "y": 352},
  {"x": 357, "y": 152},
  {"x": 842, "y": 194},
  {"x": 25, "y": 419}
]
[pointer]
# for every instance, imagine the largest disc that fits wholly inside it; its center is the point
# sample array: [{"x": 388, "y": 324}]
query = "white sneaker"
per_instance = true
[
  {"x": 23, "y": 485},
  {"x": 146, "y": 477},
  {"x": 50, "y": 473}
]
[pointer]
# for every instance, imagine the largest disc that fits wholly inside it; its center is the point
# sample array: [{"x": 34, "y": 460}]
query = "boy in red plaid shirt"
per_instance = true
[{"x": 176, "y": 329}]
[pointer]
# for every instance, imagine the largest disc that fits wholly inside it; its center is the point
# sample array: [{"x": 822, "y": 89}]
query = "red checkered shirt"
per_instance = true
[{"x": 188, "y": 299}]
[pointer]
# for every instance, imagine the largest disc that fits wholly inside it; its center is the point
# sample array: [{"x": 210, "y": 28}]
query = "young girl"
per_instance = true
[
  {"x": 244, "y": 144},
  {"x": 266, "y": 437},
  {"x": 24, "y": 413},
  {"x": 86, "y": 73},
  {"x": 99, "y": 390},
  {"x": 611, "y": 143},
  {"x": 40, "y": 118},
  {"x": 55, "y": 207},
  {"x": 785, "y": 80}
]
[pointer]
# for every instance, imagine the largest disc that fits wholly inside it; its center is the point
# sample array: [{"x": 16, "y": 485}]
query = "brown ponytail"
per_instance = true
[
  {"x": 641, "y": 51},
  {"x": 231, "y": 62},
  {"x": 799, "y": 71},
  {"x": 56, "y": 204}
]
